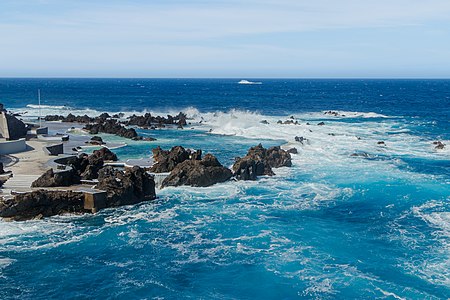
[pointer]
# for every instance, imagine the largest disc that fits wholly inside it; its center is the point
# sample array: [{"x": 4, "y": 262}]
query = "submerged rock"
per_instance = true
[
  {"x": 439, "y": 145},
  {"x": 199, "y": 173}
]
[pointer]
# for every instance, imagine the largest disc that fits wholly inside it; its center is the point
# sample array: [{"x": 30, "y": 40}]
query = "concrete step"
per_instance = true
[{"x": 19, "y": 182}]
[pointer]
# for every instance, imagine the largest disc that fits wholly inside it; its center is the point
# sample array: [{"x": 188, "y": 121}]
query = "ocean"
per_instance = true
[{"x": 334, "y": 226}]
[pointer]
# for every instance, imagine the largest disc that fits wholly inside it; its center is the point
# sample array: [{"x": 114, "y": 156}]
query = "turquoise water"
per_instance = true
[{"x": 332, "y": 226}]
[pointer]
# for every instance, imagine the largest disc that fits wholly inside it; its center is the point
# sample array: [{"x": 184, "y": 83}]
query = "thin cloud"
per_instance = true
[{"x": 65, "y": 35}]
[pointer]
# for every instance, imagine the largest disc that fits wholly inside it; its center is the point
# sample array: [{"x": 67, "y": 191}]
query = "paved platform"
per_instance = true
[{"x": 19, "y": 183}]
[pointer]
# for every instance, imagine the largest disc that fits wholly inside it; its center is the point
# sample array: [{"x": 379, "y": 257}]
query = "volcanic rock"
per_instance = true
[
  {"x": 125, "y": 188},
  {"x": 96, "y": 140},
  {"x": 439, "y": 145},
  {"x": 199, "y": 173},
  {"x": 260, "y": 161},
  {"x": 52, "y": 179},
  {"x": 38, "y": 204},
  {"x": 166, "y": 161}
]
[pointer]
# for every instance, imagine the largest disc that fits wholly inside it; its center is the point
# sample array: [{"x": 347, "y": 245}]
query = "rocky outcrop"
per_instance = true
[
  {"x": 292, "y": 151},
  {"x": 53, "y": 179},
  {"x": 198, "y": 173},
  {"x": 111, "y": 126},
  {"x": 96, "y": 140},
  {"x": 105, "y": 154},
  {"x": 84, "y": 167},
  {"x": 439, "y": 145},
  {"x": 260, "y": 161},
  {"x": 70, "y": 118},
  {"x": 125, "y": 188},
  {"x": 38, "y": 204},
  {"x": 166, "y": 161},
  {"x": 148, "y": 120},
  {"x": 2, "y": 170}
]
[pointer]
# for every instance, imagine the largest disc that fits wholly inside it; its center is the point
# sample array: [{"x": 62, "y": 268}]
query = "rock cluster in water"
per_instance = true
[
  {"x": 260, "y": 161},
  {"x": 439, "y": 145},
  {"x": 133, "y": 185},
  {"x": 105, "y": 123},
  {"x": 112, "y": 126},
  {"x": 147, "y": 120},
  {"x": 167, "y": 160},
  {"x": 187, "y": 167},
  {"x": 198, "y": 172},
  {"x": 127, "y": 187}
]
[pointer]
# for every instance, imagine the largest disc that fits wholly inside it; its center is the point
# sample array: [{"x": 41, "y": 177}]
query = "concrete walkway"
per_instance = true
[{"x": 19, "y": 183}]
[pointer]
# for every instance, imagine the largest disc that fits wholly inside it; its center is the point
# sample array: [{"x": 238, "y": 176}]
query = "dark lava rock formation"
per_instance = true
[
  {"x": 111, "y": 126},
  {"x": 148, "y": 120},
  {"x": 80, "y": 167},
  {"x": 39, "y": 204},
  {"x": 260, "y": 161},
  {"x": 199, "y": 173},
  {"x": 126, "y": 187},
  {"x": 131, "y": 186},
  {"x": 167, "y": 160}
]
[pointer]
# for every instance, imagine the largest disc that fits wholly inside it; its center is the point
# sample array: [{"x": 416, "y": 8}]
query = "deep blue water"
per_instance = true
[{"x": 332, "y": 226}]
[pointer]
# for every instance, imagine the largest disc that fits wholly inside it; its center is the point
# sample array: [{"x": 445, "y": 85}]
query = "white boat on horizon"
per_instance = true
[{"x": 243, "y": 81}]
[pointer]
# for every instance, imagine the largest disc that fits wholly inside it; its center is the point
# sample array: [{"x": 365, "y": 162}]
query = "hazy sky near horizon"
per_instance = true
[{"x": 218, "y": 38}]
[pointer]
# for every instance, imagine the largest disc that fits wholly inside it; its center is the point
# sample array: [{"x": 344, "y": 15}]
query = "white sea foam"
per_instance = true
[
  {"x": 5, "y": 262},
  {"x": 435, "y": 268},
  {"x": 33, "y": 111},
  {"x": 334, "y": 139}
]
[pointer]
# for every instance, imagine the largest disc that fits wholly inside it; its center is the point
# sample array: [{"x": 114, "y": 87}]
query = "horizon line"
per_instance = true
[{"x": 234, "y": 78}]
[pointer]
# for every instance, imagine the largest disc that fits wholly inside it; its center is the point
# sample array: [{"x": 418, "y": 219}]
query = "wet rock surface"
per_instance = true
[
  {"x": 147, "y": 120},
  {"x": 439, "y": 145},
  {"x": 111, "y": 126},
  {"x": 105, "y": 123},
  {"x": 167, "y": 160},
  {"x": 198, "y": 173},
  {"x": 260, "y": 161},
  {"x": 127, "y": 187},
  {"x": 39, "y": 204}
]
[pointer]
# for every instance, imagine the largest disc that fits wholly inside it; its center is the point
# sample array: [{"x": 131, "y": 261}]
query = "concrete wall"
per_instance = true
[
  {"x": 41, "y": 130},
  {"x": 11, "y": 147},
  {"x": 54, "y": 149},
  {"x": 4, "y": 132}
]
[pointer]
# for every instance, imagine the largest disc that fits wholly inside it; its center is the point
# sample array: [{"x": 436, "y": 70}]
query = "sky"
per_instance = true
[{"x": 218, "y": 38}]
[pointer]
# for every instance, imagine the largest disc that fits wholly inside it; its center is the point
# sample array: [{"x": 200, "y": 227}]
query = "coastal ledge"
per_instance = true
[{"x": 60, "y": 189}]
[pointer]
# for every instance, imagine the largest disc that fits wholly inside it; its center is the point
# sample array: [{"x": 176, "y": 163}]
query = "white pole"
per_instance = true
[{"x": 39, "y": 99}]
